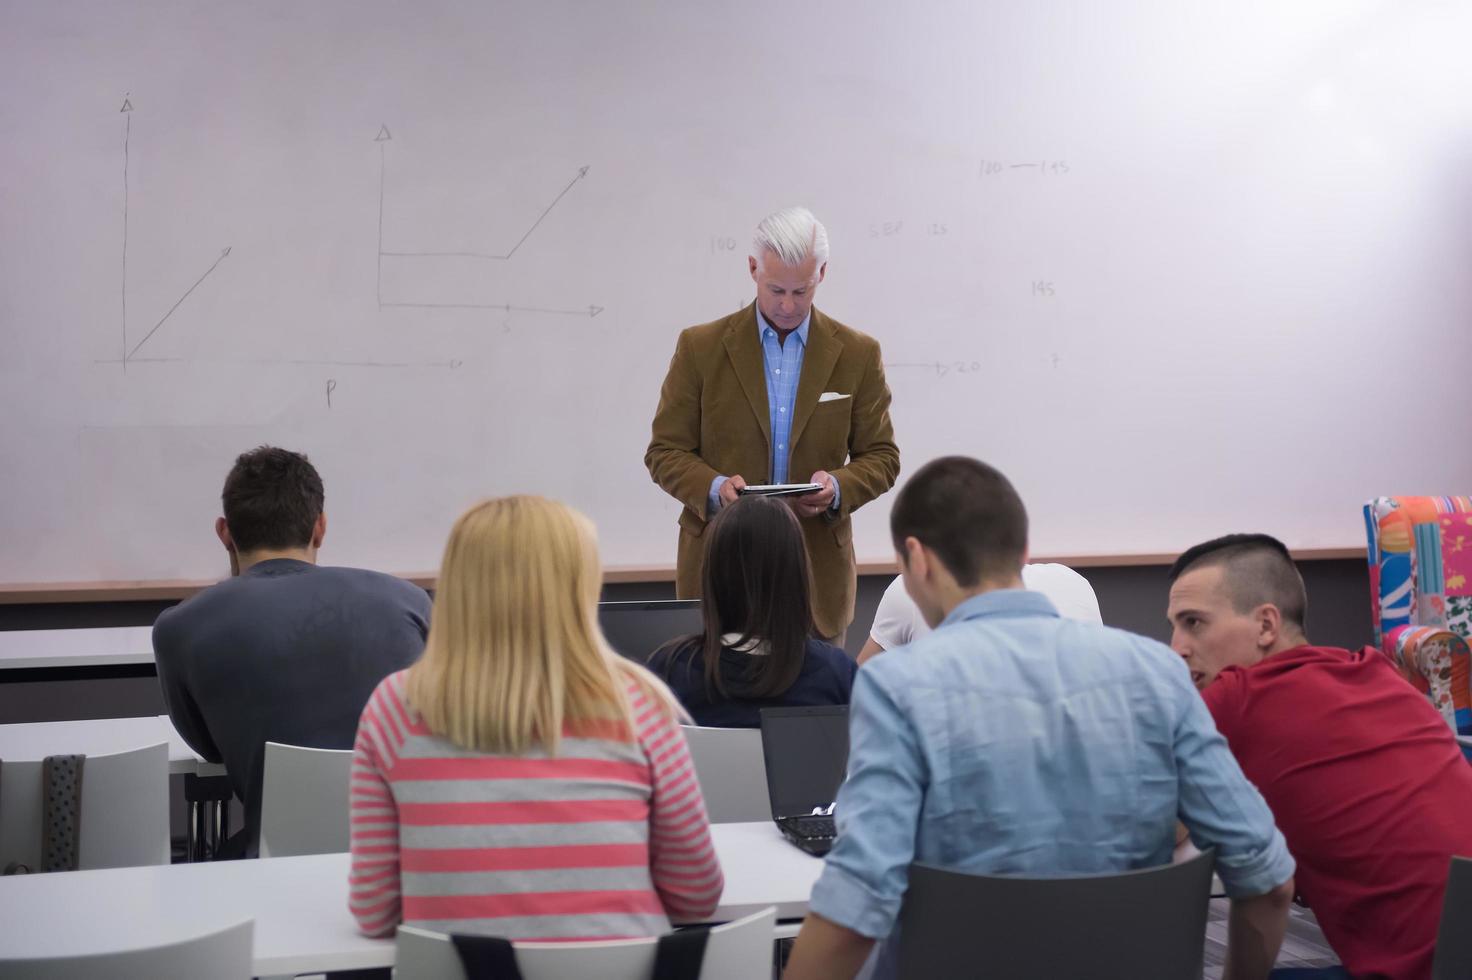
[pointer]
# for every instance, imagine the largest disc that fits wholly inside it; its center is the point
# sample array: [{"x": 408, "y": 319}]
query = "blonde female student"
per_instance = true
[{"x": 521, "y": 779}]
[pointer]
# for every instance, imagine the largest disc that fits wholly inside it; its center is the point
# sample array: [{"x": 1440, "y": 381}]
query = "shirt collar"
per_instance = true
[
  {"x": 1003, "y": 602},
  {"x": 278, "y": 566},
  {"x": 762, "y": 326},
  {"x": 732, "y": 642}
]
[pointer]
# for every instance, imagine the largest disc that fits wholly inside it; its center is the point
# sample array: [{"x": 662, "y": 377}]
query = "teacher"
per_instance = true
[{"x": 778, "y": 393}]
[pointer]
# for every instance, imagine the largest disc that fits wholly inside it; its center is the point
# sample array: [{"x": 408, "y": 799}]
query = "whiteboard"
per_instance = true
[{"x": 1177, "y": 268}]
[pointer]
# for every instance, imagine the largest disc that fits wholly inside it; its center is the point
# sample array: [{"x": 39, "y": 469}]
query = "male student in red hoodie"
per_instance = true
[{"x": 1363, "y": 776}]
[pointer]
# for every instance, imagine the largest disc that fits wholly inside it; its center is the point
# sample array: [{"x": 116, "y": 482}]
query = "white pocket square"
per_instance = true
[{"x": 830, "y": 396}]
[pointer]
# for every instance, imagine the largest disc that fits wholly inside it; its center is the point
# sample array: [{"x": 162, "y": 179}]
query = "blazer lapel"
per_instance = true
[
  {"x": 744, "y": 349},
  {"x": 817, "y": 367}
]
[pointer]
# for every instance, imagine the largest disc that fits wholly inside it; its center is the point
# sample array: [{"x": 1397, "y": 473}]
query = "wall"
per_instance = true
[{"x": 1167, "y": 265}]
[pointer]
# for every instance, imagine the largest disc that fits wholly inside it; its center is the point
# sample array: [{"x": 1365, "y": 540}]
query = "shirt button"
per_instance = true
[
  {"x": 782, "y": 445},
  {"x": 782, "y": 409}
]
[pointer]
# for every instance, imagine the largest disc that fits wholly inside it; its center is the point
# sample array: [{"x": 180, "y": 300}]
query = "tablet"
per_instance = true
[{"x": 781, "y": 489}]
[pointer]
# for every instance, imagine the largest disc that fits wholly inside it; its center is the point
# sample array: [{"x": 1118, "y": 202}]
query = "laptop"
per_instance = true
[
  {"x": 637, "y": 629},
  {"x": 806, "y": 752}
]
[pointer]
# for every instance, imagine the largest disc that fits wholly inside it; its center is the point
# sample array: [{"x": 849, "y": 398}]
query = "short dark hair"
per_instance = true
[
  {"x": 272, "y": 499},
  {"x": 966, "y": 512},
  {"x": 1257, "y": 570},
  {"x": 756, "y": 582}
]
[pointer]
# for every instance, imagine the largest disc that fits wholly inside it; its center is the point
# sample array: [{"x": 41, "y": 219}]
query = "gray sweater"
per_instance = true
[{"x": 286, "y": 652}]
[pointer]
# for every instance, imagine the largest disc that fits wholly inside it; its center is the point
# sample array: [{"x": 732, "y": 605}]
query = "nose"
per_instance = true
[{"x": 1178, "y": 644}]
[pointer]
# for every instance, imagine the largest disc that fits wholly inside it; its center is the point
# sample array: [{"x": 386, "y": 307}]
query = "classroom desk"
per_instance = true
[
  {"x": 299, "y": 904},
  {"x": 93, "y": 654}
]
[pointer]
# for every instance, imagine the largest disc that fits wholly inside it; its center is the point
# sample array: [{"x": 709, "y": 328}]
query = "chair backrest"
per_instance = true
[
  {"x": 222, "y": 955},
  {"x": 1454, "y": 940},
  {"x": 1420, "y": 551},
  {"x": 304, "y": 800},
  {"x": 124, "y": 819},
  {"x": 1149, "y": 923},
  {"x": 739, "y": 950},
  {"x": 731, "y": 771}
]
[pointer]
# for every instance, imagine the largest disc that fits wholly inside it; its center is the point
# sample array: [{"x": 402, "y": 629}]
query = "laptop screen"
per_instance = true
[
  {"x": 637, "y": 629},
  {"x": 806, "y": 751}
]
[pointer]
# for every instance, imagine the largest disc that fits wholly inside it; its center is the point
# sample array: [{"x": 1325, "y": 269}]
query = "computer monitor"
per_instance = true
[
  {"x": 637, "y": 629},
  {"x": 806, "y": 751}
]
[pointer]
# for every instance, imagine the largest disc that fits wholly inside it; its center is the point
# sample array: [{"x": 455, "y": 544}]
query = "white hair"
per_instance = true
[{"x": 794, "y": 234}]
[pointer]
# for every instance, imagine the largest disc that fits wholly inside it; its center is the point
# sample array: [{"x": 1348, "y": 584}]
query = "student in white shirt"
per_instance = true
[{"x": 897, "y": 620}]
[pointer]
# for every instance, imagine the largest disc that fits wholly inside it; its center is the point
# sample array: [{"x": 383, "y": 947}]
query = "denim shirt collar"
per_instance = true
[
  {"x": 762, "y": 326},
  {"x": 1002, "y": 602}
]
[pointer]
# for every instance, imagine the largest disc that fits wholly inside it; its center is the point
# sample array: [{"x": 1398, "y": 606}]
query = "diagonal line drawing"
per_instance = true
[
  {"x": 179, "y": 303},
  {"x": 582, "y": 172}
]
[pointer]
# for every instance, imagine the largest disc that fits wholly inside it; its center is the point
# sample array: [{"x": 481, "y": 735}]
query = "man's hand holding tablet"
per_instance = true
[
  {"x": 780, "y": 489},
  {"x": 806, "y": 499},
  {"x": 732, "y": 489}
]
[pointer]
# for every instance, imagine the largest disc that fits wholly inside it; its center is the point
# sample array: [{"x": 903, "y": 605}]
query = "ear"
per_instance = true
[
  {"x": 914, "y": 558},
  {"x": 1269, "y": 625},
  {"x": 319, "y": 530},
  {"x": 751, "y": 266},
  {"x": 822, "y": 271},
  {"x": 222, "y": 531}
]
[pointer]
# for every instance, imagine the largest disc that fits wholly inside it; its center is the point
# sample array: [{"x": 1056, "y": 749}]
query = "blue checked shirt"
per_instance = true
[
  {"x": 1011, "y": 741},
  {"x": 783, "y": 368}
]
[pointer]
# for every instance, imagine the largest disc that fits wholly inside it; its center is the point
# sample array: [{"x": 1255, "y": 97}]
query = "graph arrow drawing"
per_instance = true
[
  {"x": 127, "y": 136},
  {"x": 128, "y": 353},
  {"x": 383, "y": 138}
]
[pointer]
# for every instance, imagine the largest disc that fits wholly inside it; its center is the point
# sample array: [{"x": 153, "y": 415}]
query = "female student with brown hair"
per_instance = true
[
  {"x": 521, "y": 779},
  {"x": 757, "y": 649}
]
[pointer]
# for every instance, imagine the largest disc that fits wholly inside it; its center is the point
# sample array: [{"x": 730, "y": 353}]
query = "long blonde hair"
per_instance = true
[{"x": 514, "y": 649}]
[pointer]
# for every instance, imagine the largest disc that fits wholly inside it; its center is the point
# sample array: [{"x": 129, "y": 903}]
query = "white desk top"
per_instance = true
[
  {"x": 300, "y": 907},
  {"x": 101, "y": 736},
  {"x": 108, "y": 647}
]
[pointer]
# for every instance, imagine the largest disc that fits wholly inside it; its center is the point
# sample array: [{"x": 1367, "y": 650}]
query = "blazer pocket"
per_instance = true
[
  {"x": 691, "y": 524},
  {"x": 827, "y": 431},
  {"x": 843, "y": 532}
]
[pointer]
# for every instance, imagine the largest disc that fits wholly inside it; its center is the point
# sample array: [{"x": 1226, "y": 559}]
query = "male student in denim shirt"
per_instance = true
[{"x": 1012, "y": 741}]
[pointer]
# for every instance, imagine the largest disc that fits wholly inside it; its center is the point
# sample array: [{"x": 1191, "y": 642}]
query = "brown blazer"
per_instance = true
[{"x": 713, "y": 420}]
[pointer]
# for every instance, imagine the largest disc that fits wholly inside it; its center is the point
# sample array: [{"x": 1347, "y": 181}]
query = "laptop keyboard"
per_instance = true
[{"x": 814, "y": 828}]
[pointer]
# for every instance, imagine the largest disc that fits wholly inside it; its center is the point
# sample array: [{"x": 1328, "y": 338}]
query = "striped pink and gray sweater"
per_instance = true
[{"x": 608, "y": 839}]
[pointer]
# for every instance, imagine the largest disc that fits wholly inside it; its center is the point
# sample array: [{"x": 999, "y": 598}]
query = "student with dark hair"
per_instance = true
[
  {"x": 1362, "y": 774},
  {"x": 284, "y": 650},
  {"x": 1012, "y": 741},
  {"x": 757, "y": 649}
]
